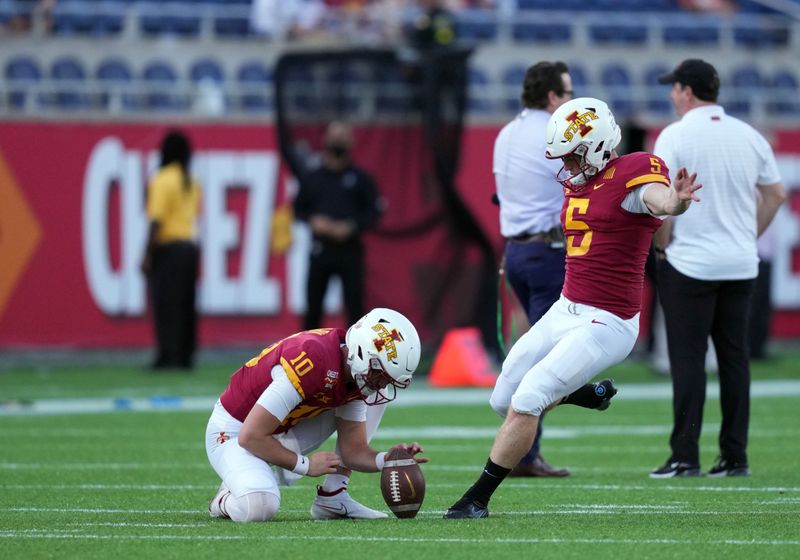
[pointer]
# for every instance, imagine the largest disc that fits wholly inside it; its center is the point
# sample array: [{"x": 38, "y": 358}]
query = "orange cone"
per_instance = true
[{"x": 462, "y": 361}]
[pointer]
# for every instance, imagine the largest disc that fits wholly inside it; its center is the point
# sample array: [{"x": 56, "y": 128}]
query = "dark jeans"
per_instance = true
[
  {"x": 536, "y": 273},
  {"x": 693, "y": 310},
  {"x": 327, "y": 260},
  {"x": 173, "y": 282}
]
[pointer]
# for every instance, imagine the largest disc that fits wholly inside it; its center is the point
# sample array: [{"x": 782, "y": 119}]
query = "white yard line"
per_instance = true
[
  {"x": 414, "y": 539},
  {"x": 421, "y": 396}
]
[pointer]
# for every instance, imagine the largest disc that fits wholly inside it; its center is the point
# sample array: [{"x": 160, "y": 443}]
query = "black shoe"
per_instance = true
[
  {"x": 605, "y": 391},
  {"x": 672, "y": 469},
  {"x": 729, "y": 468},
  {"x": 466, "y": 509}
]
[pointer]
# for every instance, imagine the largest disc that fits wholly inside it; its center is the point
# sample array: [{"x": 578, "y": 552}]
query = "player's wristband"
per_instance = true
[
  {"x": 380, "y": 460},
  {"x": 301, "y": 466}
]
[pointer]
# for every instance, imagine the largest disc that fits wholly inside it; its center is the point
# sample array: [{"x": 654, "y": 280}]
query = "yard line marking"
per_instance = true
[
  {"x": 417, "y": 396},
  {"x": 416, "y": 539}
]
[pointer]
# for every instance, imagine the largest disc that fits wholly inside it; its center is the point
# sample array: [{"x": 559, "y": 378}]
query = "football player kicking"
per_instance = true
[
  {"x": 611, "y": 209},
  {"x": 284, "y": 403}
]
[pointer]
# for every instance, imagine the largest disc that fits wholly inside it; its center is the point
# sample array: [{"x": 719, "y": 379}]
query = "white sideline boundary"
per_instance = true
[{"x": 418, "y": 396}]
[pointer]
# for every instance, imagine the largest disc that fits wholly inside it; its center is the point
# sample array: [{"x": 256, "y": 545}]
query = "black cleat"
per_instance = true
[
  {"x": 467, "y": 509},
  {"x": 729, "y": 468},
  {"x": 605, "y": 391},
  {"x": 671, "y": 469}
]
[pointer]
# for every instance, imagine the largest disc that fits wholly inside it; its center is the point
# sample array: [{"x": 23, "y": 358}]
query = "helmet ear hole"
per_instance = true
[{"x": 360, "y": 354}]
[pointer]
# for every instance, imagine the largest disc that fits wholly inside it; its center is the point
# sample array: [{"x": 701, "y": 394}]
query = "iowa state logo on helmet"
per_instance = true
[
  {"x": 386, "y": 340},
  {"x": 579, "y": 123}
]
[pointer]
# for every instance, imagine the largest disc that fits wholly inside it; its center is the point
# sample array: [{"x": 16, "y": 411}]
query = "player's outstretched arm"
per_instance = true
[{"x": 665, "y": 201}]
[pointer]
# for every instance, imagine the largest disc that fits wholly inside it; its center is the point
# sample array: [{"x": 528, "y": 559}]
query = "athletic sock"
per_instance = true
[
  {"x": 335, "y": 481},
  {"x": 491, "y": 477}
]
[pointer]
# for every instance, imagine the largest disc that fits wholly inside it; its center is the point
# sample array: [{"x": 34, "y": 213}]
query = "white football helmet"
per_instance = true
[
  {"x": 584, "y": 127},
  {"x": 383, "y": 351}
]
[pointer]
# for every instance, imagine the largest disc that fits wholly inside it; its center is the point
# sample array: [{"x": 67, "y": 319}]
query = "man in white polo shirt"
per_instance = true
[
  {"x": 707, "y": 279},
  {"x": 530, "y": 207}
]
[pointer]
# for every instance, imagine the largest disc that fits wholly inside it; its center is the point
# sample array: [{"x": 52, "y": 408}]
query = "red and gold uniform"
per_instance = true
[
  {"x": 607, "y": 246},
  {"x": 313, "y": 362}
]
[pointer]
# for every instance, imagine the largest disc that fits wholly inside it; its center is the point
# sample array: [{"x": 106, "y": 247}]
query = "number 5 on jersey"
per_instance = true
[{"x": 581, "y": 206}]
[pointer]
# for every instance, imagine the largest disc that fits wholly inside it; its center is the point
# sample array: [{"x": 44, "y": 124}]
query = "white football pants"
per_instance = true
[
  {"x": 244, "y": 473},
  {"x": 565, "y": 349}
]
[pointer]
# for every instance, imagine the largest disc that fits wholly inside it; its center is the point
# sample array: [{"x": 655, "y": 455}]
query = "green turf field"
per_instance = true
[{"x": 137, "y": 484}]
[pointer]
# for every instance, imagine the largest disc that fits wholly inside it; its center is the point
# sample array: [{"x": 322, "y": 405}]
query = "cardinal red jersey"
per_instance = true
[
  {"x": 313, "y": 363},
  {"x": 607, "y": 246}
]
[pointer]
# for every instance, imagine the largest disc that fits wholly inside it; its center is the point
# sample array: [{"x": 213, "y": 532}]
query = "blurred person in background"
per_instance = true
[
  {"x": 706, "y": 280},
  {"x": 530, "y": 206},
  {"x": 339, "y": 201},
  {"x": 432, "y": 26},
  {"x": 171, "y": 257}
]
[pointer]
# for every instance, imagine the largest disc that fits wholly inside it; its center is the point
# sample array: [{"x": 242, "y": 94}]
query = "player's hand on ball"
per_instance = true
[
  {"x": 323, "y": 462},
  {"x": 412, "y": 449}
]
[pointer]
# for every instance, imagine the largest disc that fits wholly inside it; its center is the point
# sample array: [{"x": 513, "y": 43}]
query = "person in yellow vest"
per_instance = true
[{"x": 171, "y": 258}]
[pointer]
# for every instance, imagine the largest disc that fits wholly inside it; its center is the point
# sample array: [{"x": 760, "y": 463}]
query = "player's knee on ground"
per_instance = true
[{"x": 255, "y": 506}]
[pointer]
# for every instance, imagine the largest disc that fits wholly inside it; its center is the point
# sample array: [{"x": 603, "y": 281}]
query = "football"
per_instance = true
[{"x": 402, "y": 483}]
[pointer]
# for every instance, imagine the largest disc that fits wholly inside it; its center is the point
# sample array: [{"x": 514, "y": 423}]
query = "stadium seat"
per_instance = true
[
  {"x": 511, "y": 80},
  {"x": 616, "y": 81},
  {"x": 476, "y": 25},
  {"x": 621, "y": 29},
  {"x": 580, "y": 79},
  {"x": 478, "y": 90},
  {"x": 657, "y": 95},
  {"x": 168, "y": 19},
  {"x": 116, "y": 77},
  {"x": 22, "y": 74},
  {"x": 255, "y": 84},
  {"x": 160, "y": 79},
  {"x": 784, "y": 94},
  {"x": 69, "y": 79},
  {"x": 746, "y": 82},
  {"x": 692, "y": 29},
  {"x": 752, "y": 34},
  {"x": 206, "y": 69}
]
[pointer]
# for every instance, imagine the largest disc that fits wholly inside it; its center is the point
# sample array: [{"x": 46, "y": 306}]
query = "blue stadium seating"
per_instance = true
[
  {"x": 70, "y": 81},
  {"x": 84, "y": 17},
  {"x": 657, "y": 94},
  {"x": 156, "y": 19},
  {"x": 21, "y": 72},
  {"x": 206, "y": 69},
  {"x": 478, "y": 79},
  {"x": 255, "y": 80},
  {"x": 746, "y": 81},
  {"x": 784, "y": 84},
  {"x": 476, "y": 25},
  {"x": 617, "y": 82},
  {"x": 116, "y": 77},
  {"x": 161, "y": 78},
  {"x": 512, "y": 80},
  {"x": 696, "y": 31},
  {"x": 627, "y": 30}
]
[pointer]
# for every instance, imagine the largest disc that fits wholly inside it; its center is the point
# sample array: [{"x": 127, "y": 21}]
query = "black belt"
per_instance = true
[{"x": 554, "y": 235}]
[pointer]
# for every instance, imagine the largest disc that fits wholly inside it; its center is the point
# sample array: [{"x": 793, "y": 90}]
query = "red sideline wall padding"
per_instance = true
[{"x": 72, "y": 229}]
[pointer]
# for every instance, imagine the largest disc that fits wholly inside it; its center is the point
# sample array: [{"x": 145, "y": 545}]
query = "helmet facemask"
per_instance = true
[{"x": 376, "y": 385}]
